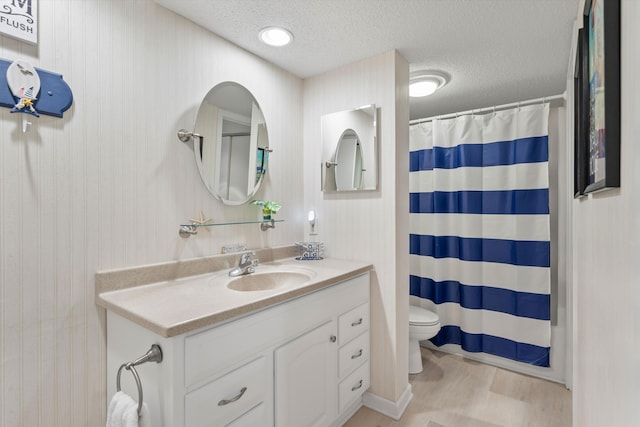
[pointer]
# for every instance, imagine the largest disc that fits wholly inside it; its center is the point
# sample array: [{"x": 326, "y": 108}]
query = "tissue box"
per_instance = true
[{"x": 310, "y": 251}]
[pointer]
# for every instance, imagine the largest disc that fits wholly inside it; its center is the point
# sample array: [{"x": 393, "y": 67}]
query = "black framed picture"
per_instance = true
[
  {"x": 580, "y": 108},
  {"x": 601, "y": 69}
]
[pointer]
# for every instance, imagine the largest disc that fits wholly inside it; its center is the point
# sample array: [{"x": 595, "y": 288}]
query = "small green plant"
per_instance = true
[{"x": 268, "y": 208}]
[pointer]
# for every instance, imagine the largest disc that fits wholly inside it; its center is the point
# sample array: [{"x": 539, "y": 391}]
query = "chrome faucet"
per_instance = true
[{"x": 246, "y": 265}]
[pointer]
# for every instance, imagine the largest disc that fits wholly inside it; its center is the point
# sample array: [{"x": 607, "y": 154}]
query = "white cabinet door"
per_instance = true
[{"x": 305, "y": 379}]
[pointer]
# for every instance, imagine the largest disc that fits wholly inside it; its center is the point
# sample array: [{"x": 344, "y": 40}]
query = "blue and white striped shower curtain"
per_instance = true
[{"x": 480, "y": 232}]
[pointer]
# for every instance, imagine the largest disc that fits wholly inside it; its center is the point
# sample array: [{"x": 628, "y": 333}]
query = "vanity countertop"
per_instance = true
[{"x": 173, "y": 307}]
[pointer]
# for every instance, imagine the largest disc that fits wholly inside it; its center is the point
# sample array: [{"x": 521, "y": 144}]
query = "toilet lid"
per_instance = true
[{"x": 422, "y": 316}]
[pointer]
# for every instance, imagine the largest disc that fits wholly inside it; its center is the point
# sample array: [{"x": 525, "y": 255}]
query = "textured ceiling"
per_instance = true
[{"x": 496, "y": 51}]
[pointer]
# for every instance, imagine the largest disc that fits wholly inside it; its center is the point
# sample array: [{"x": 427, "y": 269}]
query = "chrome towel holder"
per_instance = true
[{"x": 153, "y": 355}]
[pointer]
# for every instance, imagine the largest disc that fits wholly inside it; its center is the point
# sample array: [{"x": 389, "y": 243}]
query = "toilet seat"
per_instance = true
[{"x": 419, "y": 316}]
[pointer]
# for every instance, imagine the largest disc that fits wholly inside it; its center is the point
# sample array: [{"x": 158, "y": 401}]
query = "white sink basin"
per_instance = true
[{"x": 269, "y": 280}]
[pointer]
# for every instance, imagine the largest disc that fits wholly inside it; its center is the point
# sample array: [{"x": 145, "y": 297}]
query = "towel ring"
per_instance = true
[
  {"x": 130, "y": 367},
  {"x": 153, "y": 355}
]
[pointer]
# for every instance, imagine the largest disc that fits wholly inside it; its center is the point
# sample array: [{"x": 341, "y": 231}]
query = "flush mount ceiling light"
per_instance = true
[
  {"x": 424, "y": 83},
  {"x": 275, "y": 36}
]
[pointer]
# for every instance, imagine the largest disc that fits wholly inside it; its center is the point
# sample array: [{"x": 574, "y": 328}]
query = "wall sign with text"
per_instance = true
[{"x": 19, "y": 19}]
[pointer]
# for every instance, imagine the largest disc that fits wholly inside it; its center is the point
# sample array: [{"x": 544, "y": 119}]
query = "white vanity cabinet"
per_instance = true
[{"x": 301, "y": 363}]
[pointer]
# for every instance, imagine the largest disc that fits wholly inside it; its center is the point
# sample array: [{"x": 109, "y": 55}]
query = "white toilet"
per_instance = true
[{"x": 423, "y": 325}]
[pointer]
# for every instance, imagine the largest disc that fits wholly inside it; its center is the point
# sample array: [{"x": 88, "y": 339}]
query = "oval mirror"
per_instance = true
[
  {"x": 231, "y": 143},
  {"x": 348, "y": 162}
]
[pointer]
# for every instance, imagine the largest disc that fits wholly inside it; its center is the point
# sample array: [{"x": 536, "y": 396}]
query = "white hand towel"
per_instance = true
[{"x": 123, "y": 412}]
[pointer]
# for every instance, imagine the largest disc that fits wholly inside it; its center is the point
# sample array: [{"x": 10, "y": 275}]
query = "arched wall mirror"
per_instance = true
[
  {"x": 231, "y": 143},
  {"x": 349, "y": 150},
  {"x": 348, "y": 162}
]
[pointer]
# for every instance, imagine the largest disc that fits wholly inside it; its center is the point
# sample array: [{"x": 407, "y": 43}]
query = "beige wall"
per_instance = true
[
  {"x": 369, "y": 226},
  {"x": 108, "y": 185},
  {"x": 606, "y": 269}
]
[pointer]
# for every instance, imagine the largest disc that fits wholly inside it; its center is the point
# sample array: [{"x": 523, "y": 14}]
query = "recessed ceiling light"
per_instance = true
[
  {"x": 275, "y": 36},
  {"x": 424, "y": 83}
]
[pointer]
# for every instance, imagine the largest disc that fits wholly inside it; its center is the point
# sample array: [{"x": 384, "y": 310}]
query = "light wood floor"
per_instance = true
[{"x": 453, "y": 391}]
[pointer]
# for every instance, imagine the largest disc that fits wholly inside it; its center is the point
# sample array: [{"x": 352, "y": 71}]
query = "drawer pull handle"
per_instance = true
[
  {"x": 333, "y": 338},
  {"x": 358, "y": 354},
  {"x": 233, "y": 399},
  {"x": 357, "y": 322},
  {"x": 357, "y": 386}
]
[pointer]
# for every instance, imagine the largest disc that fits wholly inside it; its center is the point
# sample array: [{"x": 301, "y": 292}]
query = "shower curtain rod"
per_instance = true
[{"x": 562, "y": 97}]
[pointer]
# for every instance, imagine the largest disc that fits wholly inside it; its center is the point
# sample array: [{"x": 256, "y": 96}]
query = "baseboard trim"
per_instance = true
[{"x": 387, "y": 407}]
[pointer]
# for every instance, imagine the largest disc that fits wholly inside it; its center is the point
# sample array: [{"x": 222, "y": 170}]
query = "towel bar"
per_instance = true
[{"x": 153, "y": 355}]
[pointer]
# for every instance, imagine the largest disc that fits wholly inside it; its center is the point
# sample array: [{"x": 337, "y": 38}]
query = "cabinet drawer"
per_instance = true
[
  {"x": 352, "y": 387},
  {"x": 353, "y": 323},
  {"x": 228, "y": 397},
  {"x": 353, "y": 354},
  {"x": 207, "y": 353},
  {"x": 255, "y": 417}
]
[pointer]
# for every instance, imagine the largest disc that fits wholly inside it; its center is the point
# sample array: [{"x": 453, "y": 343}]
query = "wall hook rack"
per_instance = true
[{"x": 29, "y": 90}]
